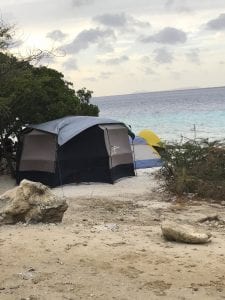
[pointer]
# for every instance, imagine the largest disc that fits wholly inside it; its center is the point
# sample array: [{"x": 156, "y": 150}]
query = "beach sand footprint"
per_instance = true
[{"x": 159, "y": 287}]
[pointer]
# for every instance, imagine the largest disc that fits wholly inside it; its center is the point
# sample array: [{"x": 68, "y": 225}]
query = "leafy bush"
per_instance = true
[
  {"x": 195, "y": 166},
  {"x": 31, "y": 94}
]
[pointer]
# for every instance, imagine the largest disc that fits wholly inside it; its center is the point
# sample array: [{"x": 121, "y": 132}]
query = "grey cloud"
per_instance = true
[
  {"x": 112, "y": 20},
  {"x": 115, "y": 61},
  {"x": 119, "y": 21},
  {"x": 70, "y": 64},
  {"x": 163, "y": 56},
  {"x": 168, "y": 35},
  {"x": 56, "y": 35},
  {"x": 169, "y": 3},
  {"x": 78, "y": 3},
  {"x": 105, "y": 75},
  {"x": 105, "y": 47},
  {"x": 193, "y": 56},
  {"x": 87, "y": 37},
  {"x": 172, "y": 5},
  {"x": 184, "y": 9},
  {"x": 217, "y": 24},
  {"x": 149, "y": 71}
]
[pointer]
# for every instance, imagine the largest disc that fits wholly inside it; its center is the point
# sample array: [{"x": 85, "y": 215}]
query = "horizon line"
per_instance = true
[{"x": 162, "y": 91}]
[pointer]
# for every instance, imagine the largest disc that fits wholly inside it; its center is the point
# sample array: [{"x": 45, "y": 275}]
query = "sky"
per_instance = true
[{"x": 124, "y": 46}]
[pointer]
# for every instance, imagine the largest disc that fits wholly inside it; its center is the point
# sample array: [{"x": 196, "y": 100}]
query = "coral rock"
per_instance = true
[{"x": 31, "y": 202}]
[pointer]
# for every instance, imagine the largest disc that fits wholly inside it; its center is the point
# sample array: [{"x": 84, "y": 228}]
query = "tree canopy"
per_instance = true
[{"x": 30, "y": 94}]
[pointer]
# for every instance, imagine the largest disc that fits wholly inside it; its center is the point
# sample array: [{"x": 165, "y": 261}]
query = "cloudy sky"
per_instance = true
[{"x": 125, "y": 46}]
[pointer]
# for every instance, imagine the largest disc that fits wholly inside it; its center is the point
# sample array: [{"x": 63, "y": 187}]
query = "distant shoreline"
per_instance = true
[{"x": 163, "y": 91}]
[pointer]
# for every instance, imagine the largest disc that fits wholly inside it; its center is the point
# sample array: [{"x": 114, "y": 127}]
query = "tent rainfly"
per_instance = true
[{"x": 75, "y": 149}]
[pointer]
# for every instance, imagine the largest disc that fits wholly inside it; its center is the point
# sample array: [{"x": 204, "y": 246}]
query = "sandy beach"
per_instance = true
[{"x": 109, "y": 246}]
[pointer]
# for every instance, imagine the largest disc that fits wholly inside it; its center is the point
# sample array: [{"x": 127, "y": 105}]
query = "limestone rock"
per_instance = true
[
  {"x": 213, "y": 217},
  {"x": 31, "y": 202},
  {"x": 173, "y": 231}
]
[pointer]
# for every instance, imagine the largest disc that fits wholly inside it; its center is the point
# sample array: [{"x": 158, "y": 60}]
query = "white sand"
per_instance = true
[
  {"x": 143, "y": 183},
  {"x": 109, "y": 247}
]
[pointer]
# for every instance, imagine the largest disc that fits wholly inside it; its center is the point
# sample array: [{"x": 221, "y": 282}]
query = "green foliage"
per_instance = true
[
  {"x": 38, "y": 94},
  {"x": 196, "y": 166},
  {"x": 30, "y": 94}
]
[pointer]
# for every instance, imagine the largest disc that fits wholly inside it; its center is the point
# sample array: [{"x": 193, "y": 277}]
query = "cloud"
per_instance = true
[
  {"x": 119, "y": 21},
  {"x": 169, "y": 3},
  {"x": 70, "y": 64},
  {"x": 163, "y": 56},
  {"x": 217, "y": 24},
  {"x": 149, "y": 71},
  {"x": 78, "y": 3},
  {"x": 114, "y": 61},
  {"x": 105, "y": 75},
  {"x": 182, "y": 8},
  {"x": 87, "y": 37},
  {"x": 56, "y": 35},
  {"x": 168, "y": 35},
  {"x": 105, "y": 46},
  {"x": 193, "y": 56}
]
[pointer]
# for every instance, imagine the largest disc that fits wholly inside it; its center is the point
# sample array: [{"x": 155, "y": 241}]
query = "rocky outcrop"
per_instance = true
[
  {"x": 31, "y": 202},
  {"x": 173, "y": 231}
]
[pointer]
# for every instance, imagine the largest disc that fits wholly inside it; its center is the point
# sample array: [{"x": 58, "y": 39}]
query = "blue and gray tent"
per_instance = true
[{"x": 75, "y": 149}]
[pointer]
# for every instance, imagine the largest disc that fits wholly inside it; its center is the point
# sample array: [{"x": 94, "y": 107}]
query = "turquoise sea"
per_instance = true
[{"x": 170, "y": 114}]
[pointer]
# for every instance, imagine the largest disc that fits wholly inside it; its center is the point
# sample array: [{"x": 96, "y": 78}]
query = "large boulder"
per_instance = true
[
  {"x": 31, "y": 202},
  {"x": 173, "y": 231}
]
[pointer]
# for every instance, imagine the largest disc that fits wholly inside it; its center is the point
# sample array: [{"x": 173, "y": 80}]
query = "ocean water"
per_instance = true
[{"x": 172, "y": 115}]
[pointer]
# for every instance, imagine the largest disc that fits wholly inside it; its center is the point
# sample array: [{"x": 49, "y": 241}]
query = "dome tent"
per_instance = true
[
  {"x": 75, "y": 149},
  {"x": 145, "y": 156}
]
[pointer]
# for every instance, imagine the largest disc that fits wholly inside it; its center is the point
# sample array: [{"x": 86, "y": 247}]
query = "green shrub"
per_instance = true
[{"x": 195, "y": 166}]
